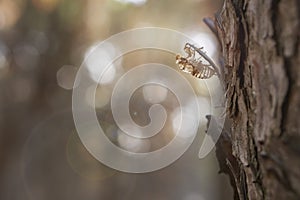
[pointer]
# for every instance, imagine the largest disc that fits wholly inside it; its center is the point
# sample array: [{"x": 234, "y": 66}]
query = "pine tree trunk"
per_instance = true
[{"x": 260, "y": 45}]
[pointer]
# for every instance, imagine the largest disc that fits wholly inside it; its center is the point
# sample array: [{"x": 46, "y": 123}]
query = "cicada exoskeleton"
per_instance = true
[{"x": 193, "y": 63}]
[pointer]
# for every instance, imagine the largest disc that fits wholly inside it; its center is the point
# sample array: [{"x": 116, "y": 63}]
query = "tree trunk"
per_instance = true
[{"x": 260, "y": 47}]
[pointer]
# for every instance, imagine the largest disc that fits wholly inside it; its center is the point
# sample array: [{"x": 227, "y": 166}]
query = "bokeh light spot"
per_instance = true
[{"x": 66, "y": 76}]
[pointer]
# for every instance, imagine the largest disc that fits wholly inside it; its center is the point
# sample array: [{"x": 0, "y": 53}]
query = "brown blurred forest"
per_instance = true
[{"x": 42, "y": 45}]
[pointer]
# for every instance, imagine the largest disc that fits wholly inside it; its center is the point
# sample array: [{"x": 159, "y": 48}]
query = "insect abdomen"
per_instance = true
[{"x": 204, "y": 73}]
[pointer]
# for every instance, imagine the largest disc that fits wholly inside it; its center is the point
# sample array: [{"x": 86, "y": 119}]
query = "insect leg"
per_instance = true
[{"x": 198, "y": 50}]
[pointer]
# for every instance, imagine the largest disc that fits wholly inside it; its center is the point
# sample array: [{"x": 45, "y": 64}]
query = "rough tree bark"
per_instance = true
[{"x": 260, "y": 47}]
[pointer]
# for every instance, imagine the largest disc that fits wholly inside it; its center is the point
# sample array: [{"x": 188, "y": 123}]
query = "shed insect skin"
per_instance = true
[
  {"x": 199, "y": 71},
  {"x": 192, "y": 65}
]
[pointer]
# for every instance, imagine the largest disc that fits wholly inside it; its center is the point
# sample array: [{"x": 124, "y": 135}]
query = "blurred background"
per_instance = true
[{"x": 42, "y": 45}]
